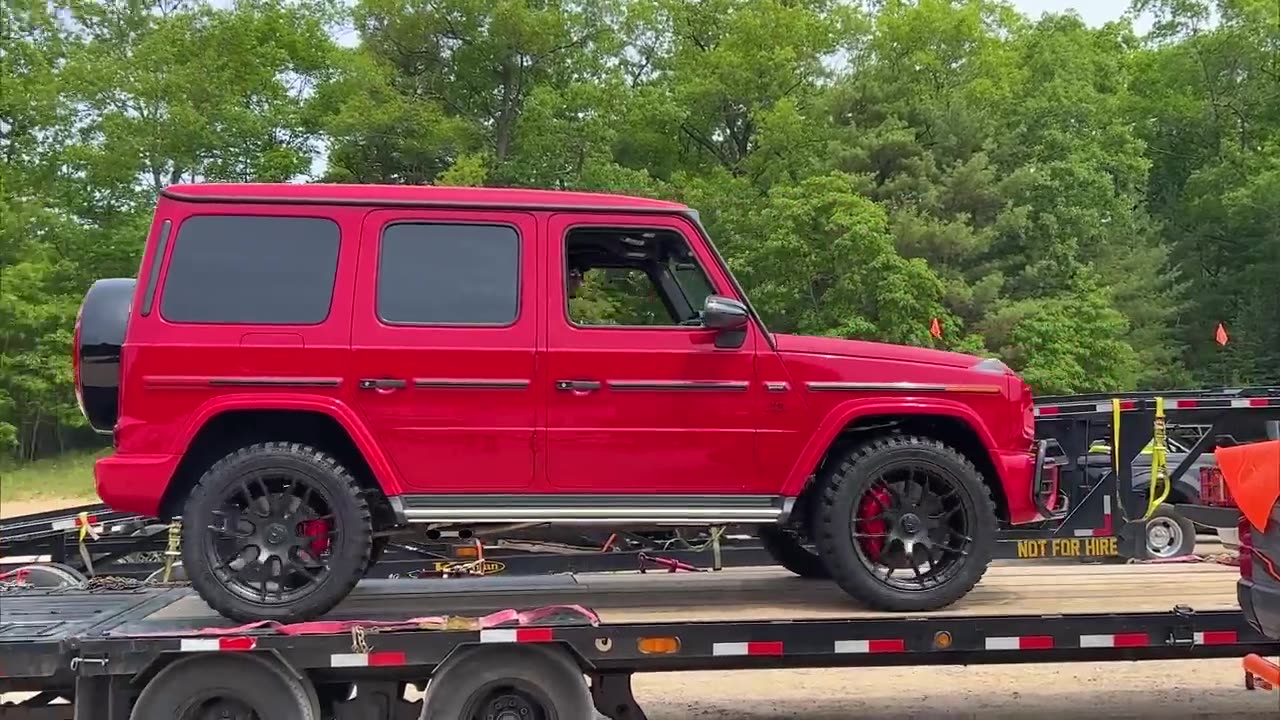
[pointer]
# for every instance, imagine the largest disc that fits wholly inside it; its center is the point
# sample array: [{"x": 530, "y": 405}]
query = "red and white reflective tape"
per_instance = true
[
  {"x": 1115, "y": 640},
  {"x": 754, "y": 649},
  {"x": 386, "y": 658},
  {"x": 238, "y": 643},
  {"x": 1217, "y": 637},
  {"x": 1106, "y": 529},
  {"x": 517, "y": 635},
  {"x": 847, "y": 647},
  {"x": 1021, "y": 642},
  {"x": 1253, "y": 402}
]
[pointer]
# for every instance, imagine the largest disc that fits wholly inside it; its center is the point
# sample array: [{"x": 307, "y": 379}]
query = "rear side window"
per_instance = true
[
  {"x": 232, "y": 269},
  {"x": 435, "y": 274}
]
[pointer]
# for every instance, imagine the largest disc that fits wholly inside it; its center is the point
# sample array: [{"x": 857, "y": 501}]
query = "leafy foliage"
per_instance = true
[{"x": 1086, "y": 203}]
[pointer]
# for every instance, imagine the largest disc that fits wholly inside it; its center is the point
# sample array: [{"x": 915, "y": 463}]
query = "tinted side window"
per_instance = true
[
  {"x": 234, "y": 269},
  {"x": 431, "y": 274}
]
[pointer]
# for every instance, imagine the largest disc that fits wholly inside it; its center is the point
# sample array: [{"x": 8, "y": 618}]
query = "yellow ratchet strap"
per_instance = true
[
  {"x": 1159, "y": 463},
  {"x": 173, "y": 548},
  {"x": 86, "y": 532}
]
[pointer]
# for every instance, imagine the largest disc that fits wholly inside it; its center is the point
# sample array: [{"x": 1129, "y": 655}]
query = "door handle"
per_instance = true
[
  {"x": 382, "y": 383},
  {"x": 577, "y": 385}
]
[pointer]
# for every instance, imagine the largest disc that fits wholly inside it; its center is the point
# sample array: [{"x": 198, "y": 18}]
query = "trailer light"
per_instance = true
[
  {"x": 466, "y": 551},
  {"x": 658, "y": 645},
  {"x": 941, "y": 640}
]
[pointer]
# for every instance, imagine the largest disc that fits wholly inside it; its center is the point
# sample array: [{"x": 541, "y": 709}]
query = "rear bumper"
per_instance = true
[
  {"x": 134, "y": 483},
  {"x": 1261, "y": 607}
]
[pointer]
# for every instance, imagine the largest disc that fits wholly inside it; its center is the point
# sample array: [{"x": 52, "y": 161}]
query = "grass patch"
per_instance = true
[{"x": 66, "y": 477}]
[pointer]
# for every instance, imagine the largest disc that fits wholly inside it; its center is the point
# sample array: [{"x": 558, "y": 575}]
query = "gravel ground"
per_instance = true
[{"x": 1169, "y": 690}]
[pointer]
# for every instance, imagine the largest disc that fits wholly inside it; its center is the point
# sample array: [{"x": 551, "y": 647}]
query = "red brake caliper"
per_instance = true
[
  {"x": 873, "y": 503},
  {"x": 318, "y": 529}
]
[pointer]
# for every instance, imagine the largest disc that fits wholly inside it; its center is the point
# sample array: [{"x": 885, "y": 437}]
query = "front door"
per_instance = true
[
  {"x": 641, "y": 399},
  {"x": 443, "y": 346}
]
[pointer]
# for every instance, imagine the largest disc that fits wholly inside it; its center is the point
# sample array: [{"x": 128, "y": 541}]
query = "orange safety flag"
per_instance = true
[
  {"x": 935, "y": 328},
  {"x": 1252, "y": 473},
  {"x": 1220, "y": 335}
]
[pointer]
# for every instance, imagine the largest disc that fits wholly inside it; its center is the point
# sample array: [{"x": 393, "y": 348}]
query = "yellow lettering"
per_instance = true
[
  {"x": 1102, "y": 547},
  {"x": 1066, "y": 547},
  {"x": 1032, "y": 548}
]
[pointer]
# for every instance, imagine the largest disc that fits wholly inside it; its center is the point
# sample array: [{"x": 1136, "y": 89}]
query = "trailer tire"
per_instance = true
[
  {"x": 855, "y": 489},
  {"x": 1168, "y": 534},
  {"x": 786, "y": 550},
  {"x": 242, "y": 681},
  {"x": 541, "y": 677},
  {"x": 46, "y": 576},
  {"x": 278, "y": 532}
]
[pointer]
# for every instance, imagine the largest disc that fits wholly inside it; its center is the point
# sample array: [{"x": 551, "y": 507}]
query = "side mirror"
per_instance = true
[
  {"x": 728, "y": 318},
  {"x": 722, "y": 313}
]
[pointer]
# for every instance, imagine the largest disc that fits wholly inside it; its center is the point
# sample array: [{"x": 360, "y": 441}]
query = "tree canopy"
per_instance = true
[{"x": 1086, "y": 203}]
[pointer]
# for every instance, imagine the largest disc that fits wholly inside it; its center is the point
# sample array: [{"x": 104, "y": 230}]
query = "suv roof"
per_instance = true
[{"x": 414, "y": 196}]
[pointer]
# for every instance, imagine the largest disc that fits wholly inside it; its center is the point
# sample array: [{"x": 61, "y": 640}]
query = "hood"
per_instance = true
[{"x": 871, "y": 350}]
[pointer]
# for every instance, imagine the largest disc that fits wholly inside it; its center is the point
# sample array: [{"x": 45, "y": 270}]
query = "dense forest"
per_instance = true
[{"x": 1088, "y": 204}]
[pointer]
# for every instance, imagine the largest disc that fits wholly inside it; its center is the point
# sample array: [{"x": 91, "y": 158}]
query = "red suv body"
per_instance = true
[{"x": 475, "y": 357}]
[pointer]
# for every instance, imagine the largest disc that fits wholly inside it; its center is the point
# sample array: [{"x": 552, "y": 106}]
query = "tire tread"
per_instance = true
[
  {"x": 835, "y": 483},
  {"x": 345, "y": 488}
]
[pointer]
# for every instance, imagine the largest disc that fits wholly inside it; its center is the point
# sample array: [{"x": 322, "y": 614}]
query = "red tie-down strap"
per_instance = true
[{"x": 432, "y": 622}]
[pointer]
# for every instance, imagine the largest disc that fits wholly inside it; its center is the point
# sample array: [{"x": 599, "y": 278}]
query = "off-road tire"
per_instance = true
[
  {"x": 346, "y": 565},
  {"x": 786, "y": 550},
  {"x": 846, "y": 481},
  {"x": 267, "y": 688}
]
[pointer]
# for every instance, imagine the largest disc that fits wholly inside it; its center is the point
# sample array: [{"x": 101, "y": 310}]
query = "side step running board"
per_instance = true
[{"x": 593, "y": 509}]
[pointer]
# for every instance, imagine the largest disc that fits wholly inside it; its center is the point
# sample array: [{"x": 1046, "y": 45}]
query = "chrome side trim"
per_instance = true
[
  {"x": 902, "y": 387},
  {"x": 679, "y": 385},
  {"x": 200, "y": 381},
  {"x": 788, "y": 506},
  {"x": 468, "y": 383}
]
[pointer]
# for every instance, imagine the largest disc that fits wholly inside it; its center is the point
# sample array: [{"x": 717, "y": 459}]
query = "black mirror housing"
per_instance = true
[{"x": 722, "y": 313}]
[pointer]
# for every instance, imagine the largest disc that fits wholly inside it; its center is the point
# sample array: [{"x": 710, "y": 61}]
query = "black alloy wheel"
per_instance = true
[
  {"x": 276, "y": 531},
  {"x": 904, "y": 523},
  {"x": 269, "y": 540},
  {"x": 911, "y": 520}
]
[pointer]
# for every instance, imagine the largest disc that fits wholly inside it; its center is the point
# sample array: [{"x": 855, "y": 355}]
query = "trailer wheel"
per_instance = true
[
  {"x": 508, "y": 683},
  {"x": 276, "y": 531},
  {"x": 1168, "y": 534},
  {"x": 905, "y": 524},
  {"x": 46, "y": 576},
  {"x": 224, "y": 686},
  {"x": 786, "y": 549}
]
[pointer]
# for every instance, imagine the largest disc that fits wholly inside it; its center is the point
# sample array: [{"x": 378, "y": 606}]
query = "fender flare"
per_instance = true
[
  {"x": 383, "y": 472},
  {"x": 849, "y": 411}
]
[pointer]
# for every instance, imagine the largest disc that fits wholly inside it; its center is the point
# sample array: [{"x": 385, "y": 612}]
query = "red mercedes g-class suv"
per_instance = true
[{"x": 303, "y": 371}]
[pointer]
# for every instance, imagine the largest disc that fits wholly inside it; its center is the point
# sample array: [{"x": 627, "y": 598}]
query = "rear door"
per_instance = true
[{"x": 443, "y": 346}]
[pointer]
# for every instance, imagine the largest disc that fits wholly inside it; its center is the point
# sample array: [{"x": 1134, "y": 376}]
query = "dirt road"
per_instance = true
[
  {"x": 1173, "y": 690},
  {"x": 17, "y": 508}
]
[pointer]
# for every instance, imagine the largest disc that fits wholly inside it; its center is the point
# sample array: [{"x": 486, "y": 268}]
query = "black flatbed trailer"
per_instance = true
[
  {"x": 121, "y": 654},
  {"x": 103, "y": 648}
]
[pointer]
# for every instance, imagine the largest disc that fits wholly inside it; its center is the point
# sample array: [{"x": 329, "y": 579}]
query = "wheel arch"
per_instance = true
[
  {"x": 854, "y": 422},
  {"x": 221, "y": 427}
]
